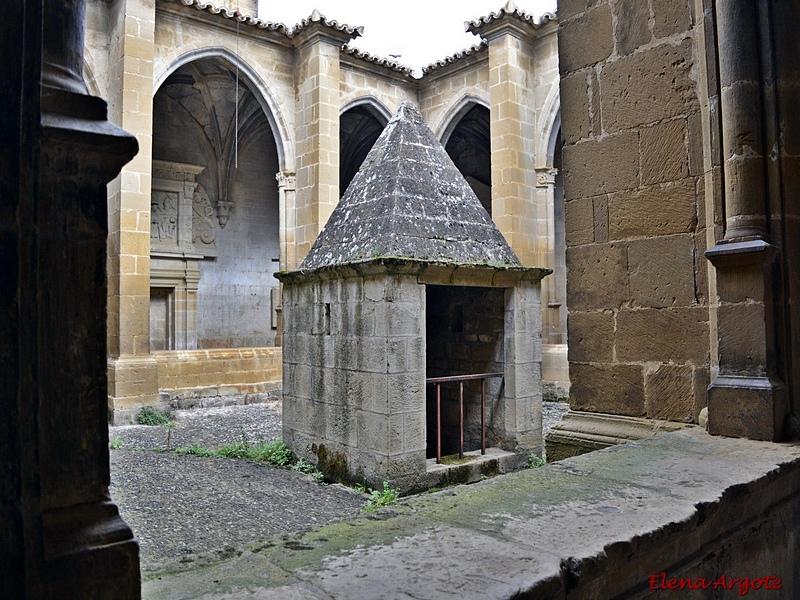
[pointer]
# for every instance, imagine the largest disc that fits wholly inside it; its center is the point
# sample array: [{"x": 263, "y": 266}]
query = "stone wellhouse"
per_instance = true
[{"x": 410, "y": 279}]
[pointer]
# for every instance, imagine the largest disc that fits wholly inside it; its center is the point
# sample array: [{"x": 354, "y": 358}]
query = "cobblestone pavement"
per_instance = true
[{"x": 188, "y": 511}]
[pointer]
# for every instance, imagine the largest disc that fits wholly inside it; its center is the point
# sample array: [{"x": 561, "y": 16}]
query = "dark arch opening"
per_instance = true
[
  {"x": 359, "y": 129},
  {"x": 469, "y": 146}
]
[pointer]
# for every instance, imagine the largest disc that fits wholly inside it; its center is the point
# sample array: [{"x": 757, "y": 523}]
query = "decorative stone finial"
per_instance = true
[{"x": 224, "y": 208}]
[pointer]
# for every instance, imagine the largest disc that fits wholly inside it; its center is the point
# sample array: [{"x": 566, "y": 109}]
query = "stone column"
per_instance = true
[
  {"x": 555, "y": 366},
  {"x": 545, "y": 244},
  {"x": 60, "y": 534},
  {"x": 287, "y": 202},
  {"x": 511, "y": 130},
  {"x": 287, "y": 206},
  {"x": 317, "y": 49},
  {"x": 133, "y": 376},
  {"x": 747, "y": 399}
]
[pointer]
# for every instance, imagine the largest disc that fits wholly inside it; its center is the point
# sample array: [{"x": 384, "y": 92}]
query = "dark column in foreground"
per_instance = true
[{"x": 60, "y": 535}]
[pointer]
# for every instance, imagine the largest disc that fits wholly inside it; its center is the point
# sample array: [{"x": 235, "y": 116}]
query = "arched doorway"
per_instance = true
[{"x": 215, "y": 152}]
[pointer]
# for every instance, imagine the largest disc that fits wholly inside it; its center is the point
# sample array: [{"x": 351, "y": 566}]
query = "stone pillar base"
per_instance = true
[
  {"x": 86, "y": 548},
  {"x": 132, "y": 383},
  {"x": 581, "y": 432},
  {"x": 747, "y": 407}
]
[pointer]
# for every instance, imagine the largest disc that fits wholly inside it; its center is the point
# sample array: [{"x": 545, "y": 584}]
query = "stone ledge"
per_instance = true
[
  {"x": 580, "y": 432},
  {"x": 685, "y": 504}
]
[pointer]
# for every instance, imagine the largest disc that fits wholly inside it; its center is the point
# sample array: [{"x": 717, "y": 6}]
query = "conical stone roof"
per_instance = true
[{"x": 409, "y": 201}]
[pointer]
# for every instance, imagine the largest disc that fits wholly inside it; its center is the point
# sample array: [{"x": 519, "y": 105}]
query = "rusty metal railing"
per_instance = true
[{"x": 460, "y": 379}]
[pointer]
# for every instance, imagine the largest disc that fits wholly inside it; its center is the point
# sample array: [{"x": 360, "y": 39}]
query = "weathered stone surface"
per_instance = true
[
  {"x": 591, "y": 336},
  {"x": 574, "y": 108},
  {"x": 608, "y": 388},
  {"x": 570, "y": 8},
  {"x": 601, "y": 166},
  {"x": 745, "y": 284},
  {"x": 597, "y": 276},
  {"x": 658, "y": 210},
  {"x": 649, "y": 86},
  {"x": 631, "y": 25},
  {"x": 671, "y": 16},
  {"x": 747, "y": 407},
  {"x": 669, "y": 334},
  {"x": 742, "y": 338},
  {"x": 661, "y": 271},
  {"x": 600, "y": 206},
  {"x": 669, "y": 393},
  {"x": 579, "y": 221},
  {"x": 608, "y": 513},
  {"x": 408, "y": 200},
  {"x": 664, "y": 152},
  {"x": 591, "y": 39}
]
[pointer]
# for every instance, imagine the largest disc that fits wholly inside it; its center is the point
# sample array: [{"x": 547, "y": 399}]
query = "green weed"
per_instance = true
[
  {"x": 194, "y": 450},
  {"x": 305, "y": 467},
  {"x": 116, "y": 443},
  {"x": 535, "y": 461},
  {"x": 154, "y": 417},
  {"x": 275, "y": 453},
  {"x": 377, "y": 498}
]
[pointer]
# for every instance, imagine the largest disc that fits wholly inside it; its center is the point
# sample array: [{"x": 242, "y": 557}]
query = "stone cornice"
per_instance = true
[
  {"x": 393, "y": 69},
  {"x": 317, "y": 27},
  {"x": 508, "y": 20},
  {"x": 426, "y": 272},
  {"x": 464, "y": 59},
  {"x": 216, "y": 17}
]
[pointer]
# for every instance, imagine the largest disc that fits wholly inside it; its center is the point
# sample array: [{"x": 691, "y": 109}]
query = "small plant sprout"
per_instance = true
[
  {"x": 378, "y": 499},
  {"x": 535, "y": 461},
  {"x": 116, "y": 443},
  {"x": 305, "y": 467},
  {"x": 170, "y": 426}
]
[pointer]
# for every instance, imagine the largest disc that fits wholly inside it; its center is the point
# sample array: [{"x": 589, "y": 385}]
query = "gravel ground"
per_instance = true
[{"x": 188, "y": 511}]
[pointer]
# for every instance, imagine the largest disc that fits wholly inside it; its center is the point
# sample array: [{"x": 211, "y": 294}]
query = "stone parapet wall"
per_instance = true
[
  {"x": 206, "y": 378},
  {"x": 194, "y": 379}
]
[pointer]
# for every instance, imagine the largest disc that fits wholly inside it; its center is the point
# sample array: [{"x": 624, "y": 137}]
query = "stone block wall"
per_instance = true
[
  {"x": 639, "y": 324},
  {"x": 209, "y": 378},
  {"x": 354, "y": 373},
  {"x": 354, "y": 365}
]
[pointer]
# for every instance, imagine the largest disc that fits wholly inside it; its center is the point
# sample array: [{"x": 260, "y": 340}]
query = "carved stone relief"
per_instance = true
[
  {"x": 204, "y": 232},
  {"x": 164, "y": 217},
  {"x": 182, "y": 216}
]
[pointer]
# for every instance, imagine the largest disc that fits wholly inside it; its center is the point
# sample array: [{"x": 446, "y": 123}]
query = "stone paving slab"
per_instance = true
[{"x": 525, "y": 534}]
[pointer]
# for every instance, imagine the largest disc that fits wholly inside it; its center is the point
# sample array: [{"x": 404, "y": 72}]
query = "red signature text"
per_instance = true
[{"x": 743, "y": 585}]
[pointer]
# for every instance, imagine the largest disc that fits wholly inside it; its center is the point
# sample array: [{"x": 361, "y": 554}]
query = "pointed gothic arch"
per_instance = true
[
  {"x": 361, "y": 122},
  {"x": 256, "y": 84}
]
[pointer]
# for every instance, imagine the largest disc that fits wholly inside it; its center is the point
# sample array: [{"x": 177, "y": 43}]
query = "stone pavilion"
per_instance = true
[{"x": 410, "y": 279}]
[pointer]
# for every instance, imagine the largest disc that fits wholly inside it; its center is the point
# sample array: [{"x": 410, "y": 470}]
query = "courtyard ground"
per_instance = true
[{"x": 188, "y": 511}]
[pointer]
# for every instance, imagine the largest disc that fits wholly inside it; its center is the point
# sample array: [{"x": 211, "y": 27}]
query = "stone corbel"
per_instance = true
[{"x": 224, "y": 208}]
